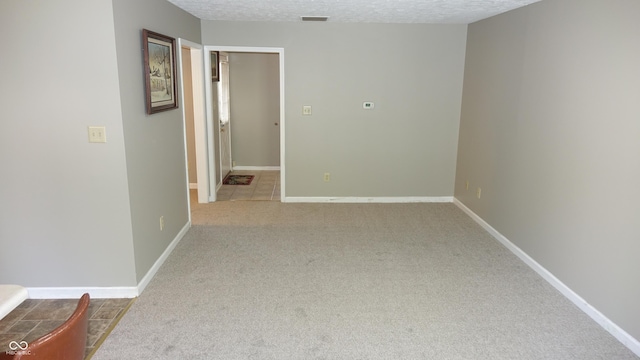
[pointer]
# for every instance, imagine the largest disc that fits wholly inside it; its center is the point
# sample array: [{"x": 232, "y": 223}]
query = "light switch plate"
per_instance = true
[{"x": 97, "y": 134}]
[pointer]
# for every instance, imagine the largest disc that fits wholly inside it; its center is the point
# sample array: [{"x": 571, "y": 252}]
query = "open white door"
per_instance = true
[{"x": 224, "y": 134}]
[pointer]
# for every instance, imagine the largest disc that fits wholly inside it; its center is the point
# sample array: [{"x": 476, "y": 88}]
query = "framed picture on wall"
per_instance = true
[
  {"x": 160, "y": 71},
  {"x": 215, "y": 66}
]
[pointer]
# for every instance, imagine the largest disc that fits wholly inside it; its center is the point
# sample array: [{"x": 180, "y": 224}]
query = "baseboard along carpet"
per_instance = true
[
  {"x": 271, "y": 280},
  {"x": 238, "y": 179}
]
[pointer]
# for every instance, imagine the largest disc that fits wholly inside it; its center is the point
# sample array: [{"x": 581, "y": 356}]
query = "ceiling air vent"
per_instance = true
[{"x": 314, "y": 18}]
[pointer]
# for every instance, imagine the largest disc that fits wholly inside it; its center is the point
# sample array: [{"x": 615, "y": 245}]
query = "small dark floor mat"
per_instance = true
[{"x": 238, "y": 179}]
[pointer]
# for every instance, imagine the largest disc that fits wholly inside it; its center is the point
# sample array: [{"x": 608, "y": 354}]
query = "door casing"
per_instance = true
[
  {"x": 198, "y": 104},
  {"x": 209, "y": 125}
]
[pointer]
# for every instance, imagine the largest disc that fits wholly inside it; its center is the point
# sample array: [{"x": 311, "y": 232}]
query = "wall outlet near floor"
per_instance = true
[
  {"x": 327, "y": 177},
  {"x": 161, "y": 223},
  {"x": 306, "y": 110},
  {"x": 478, "y": 193}
]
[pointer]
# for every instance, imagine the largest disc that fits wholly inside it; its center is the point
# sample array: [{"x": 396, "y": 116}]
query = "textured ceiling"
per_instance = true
[{"x": 372, "y": 11}]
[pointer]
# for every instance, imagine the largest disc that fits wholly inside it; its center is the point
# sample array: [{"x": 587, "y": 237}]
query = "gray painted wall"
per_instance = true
[
  {"x": 406, "y": 146},
  {"x": 86, "y": 214},
  {"x": 550, "y": 132},
  {"x": 64, "y": 203},
  {"x": 255, "y": 109},
  {"x": 155, "y": 149}
]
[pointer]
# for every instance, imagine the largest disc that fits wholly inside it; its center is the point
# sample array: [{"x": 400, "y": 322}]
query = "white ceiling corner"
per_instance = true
[{"x": 351, "y": 11}]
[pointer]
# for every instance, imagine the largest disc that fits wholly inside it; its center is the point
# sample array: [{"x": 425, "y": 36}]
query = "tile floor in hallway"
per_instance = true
[
  {"x": 35, "y": 318},
  {"x": 264, "y": 186}
]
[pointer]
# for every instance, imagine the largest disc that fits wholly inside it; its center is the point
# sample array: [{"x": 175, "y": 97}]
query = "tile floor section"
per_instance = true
[
  {"x": 34, "y": 318},
  {"x": 264, "y": 186}
]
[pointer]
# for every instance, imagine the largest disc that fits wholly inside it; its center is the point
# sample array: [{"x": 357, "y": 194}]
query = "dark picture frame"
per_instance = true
[
  {"x": 160, "y": 71},
  {"x": 215, "y": 66}
]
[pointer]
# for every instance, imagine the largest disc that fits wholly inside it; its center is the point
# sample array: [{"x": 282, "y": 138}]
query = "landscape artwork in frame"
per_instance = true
[
  {"x": 160, "y": 71},
  {"x": 215, "y": 65}
]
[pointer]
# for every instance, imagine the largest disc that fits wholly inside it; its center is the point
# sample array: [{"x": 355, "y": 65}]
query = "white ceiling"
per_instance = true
[{"x": 350, "y": 11}]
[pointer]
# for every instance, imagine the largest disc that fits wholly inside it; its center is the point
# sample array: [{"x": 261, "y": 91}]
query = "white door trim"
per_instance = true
[
  {"x": 209, "y": 107},
  {"x": 224, "y": 113},
  {"x": 198, "y": 118},
  {"x": 208, "y": 125}
]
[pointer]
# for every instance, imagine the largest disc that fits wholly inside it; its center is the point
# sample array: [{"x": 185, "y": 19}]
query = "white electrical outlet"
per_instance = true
[
  {"x": 327, "y": 177},
  {"x": 478, "y": 192},
  {"x": 306, "y": 110},
  {"x": 161, "y": 223},
  {"x": 368, "y": 105}
]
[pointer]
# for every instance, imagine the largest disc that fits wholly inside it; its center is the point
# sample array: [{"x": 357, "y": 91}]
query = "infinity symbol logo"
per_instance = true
[{"x": 22, "y": 345}]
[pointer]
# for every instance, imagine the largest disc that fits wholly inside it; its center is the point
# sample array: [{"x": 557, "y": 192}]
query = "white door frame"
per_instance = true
[
  {"x": 199, "y": 118},
  {"x": 223, "y": 89},
  {"x": 209, "y": 111}
]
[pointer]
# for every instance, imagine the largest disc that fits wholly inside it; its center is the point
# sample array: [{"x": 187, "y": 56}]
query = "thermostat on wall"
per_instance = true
[{"x": 367, "y": 105}]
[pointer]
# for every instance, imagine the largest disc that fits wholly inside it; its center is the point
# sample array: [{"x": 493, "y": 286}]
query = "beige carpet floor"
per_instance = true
[{"x": 266, "y": 280}]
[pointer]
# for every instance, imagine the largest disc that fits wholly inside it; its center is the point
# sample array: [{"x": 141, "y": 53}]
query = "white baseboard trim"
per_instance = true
[
  {"x": 361, "y": 200},
  {"x": 156, "y": 266},
  {"x": 622, "y": 336},
  {"x": 108, "y": 292},
  {"x": 11, "y": 296},
  {"x": 256, "y": 168},
  {"x": 193, "y": 186},
  {"x": 118, "y": 292}
]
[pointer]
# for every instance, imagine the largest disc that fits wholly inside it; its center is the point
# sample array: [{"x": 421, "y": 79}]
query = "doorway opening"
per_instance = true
[
  {"x": 220, "y": 130},
  {"x": 192, "y": 94}
]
